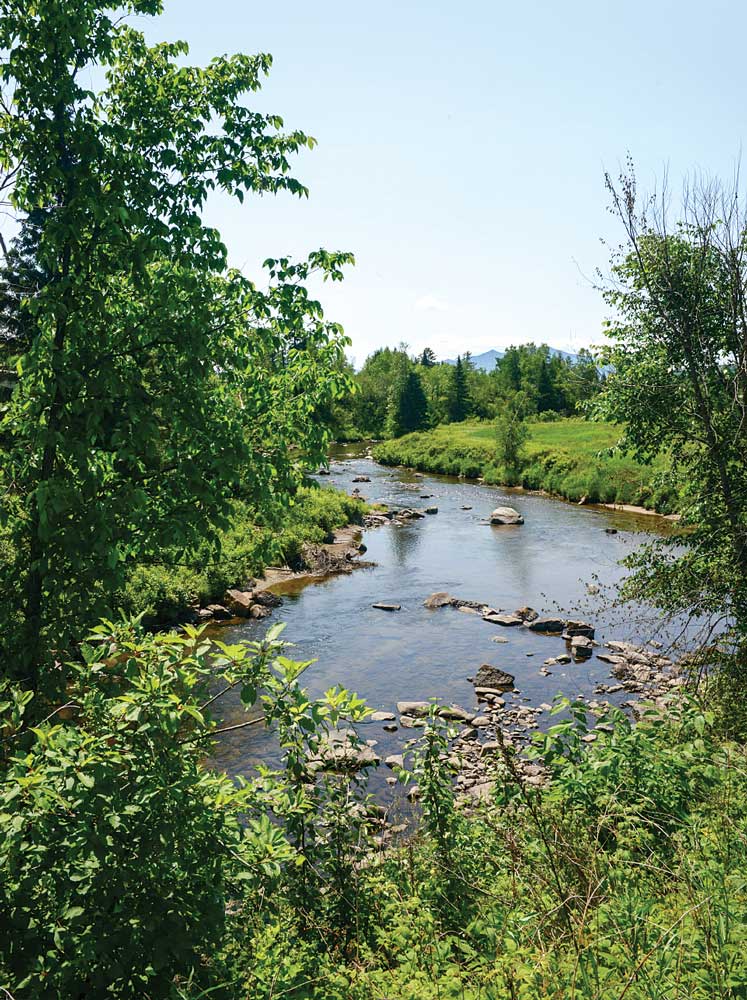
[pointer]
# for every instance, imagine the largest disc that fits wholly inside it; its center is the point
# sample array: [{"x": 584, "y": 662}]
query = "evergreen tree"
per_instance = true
[
  {"x": 459, "y": 397},
  {"x": 408, "y": 407},
  {"x": 427, "y": 358}
]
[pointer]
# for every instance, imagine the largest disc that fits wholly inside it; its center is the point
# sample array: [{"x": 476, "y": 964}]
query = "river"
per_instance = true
[{"x": 560, "y": 559}]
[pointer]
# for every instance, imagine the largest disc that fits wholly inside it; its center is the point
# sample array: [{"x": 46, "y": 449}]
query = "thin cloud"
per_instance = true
[{"x": 430, "y": 303}]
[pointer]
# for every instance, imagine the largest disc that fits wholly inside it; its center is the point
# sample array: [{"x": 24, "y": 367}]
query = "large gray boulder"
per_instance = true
[
  {"x": 506, "y": 515},
  {"x": 493, "y": 618},
  {"x": 547, "y": 625},
  {"x": 489, "y": 676},
  {"x": 439, "y": 600}
]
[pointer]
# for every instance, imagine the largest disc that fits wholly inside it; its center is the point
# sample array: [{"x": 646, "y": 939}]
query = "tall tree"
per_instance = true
[
  {"x": 428, "y": 358},
  {"x": 459, "y": 398},
  {"x": 155, "y": 383},
  {"x": 408, "y": 407},
  {"x": 678, "y": 384}
]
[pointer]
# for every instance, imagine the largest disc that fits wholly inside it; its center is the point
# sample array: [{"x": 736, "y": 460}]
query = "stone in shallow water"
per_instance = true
[
  {"x": 384, "y": 606},
  {"x": 505, "y": 620},
  {"x": 489, "y": 676},
  {"x": 506, "y": 515}
]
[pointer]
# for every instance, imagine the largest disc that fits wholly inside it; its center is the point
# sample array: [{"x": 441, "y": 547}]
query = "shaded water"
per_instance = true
[{"x": 547, "y": 563}]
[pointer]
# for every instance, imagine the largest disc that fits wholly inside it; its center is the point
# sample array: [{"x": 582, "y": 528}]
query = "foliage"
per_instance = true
[
  {"x": 156, "y": 384},
  {"x": 408, "y": 408},
  {"x": 679, "y": 385},
  {"x": 459, "y": 401},
  {"x": 511, "y": 432},
  {"x": 570, "y": 457}
]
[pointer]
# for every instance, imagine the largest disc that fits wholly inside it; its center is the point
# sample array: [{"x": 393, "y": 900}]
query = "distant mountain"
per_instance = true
[{"x": 487, "y": 360}]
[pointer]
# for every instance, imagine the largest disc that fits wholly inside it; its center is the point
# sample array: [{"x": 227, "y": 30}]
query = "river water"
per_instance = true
[{"x": 560, "y": 559}]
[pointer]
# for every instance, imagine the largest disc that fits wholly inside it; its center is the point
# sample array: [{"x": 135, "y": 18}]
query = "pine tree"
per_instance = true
[
  {"x": 427, "y": 358},
  {"x": 408, "y": 407},
  {"x": 459, "y": 396}
]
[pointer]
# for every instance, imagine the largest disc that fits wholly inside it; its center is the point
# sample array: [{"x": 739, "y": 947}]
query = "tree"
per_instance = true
[
  {"x": 155, "y": 383},
  {"x": 408, "y": 407},
  {"x": 427, "y": 358},
  {"x": 459, "y": 399},
  {"x": 678, "y": 384},
  {"x": 511, "y": 432}
]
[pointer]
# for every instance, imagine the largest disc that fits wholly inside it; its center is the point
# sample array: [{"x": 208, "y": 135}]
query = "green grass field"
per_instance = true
[{"x": 569, "y": 457}]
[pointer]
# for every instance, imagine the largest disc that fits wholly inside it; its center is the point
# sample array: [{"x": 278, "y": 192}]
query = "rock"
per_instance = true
[
  {"x": 407, "y": 722},
  {"x": 527, "y": 614},
  {"x": 584, "y": 499},
  {"x": 267, "y": 599},
  {"x": 390, "y": 727},
  {"x": 489, "y": 676},
  {"x": 203, "y": 614},
  {"x": 466, "y": 507},
  {"x": 581, "y": 646},
  {"x": 506, "y": 515},
  {"x": 547, "y": 625},
  {"x": 408, "y": 514},
  {"x": 455, "y": 713},
  {"x": 416, "y": 709},
  {"x": 395, "y": 760},
  {"x": 610, "y": 531},
  {"x": 426, "y": 496},
  {"x": 563, "y": 658},
  {"x": 439, "y": 600},
  {"x": 413, "y": 793},
  {"x": 610, "y": 658},
  {"x": 431, "y": 510},
  {"x": 341, "y": 751},
  {"x": 257, "y": 611},
  {"x": 383, "y": 606},
  {"x": 498, "y": 638},
  {"x": 551, "y": 661},
  {"x": 361, "y": 479},
  {"x": 578, "y": 628},
  {"x": 218, "y": 612},
  {"x": 505, "y": 620},
  {"x": 382, "y": 717},
  {"x": 480, "y": 721},
  {"x": 467, "y": 610},
  {"x": 239, "y": 602}
]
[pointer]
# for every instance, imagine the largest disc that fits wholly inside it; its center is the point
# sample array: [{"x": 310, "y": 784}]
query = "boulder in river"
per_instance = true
[
  {"x": 361, "y": 479},
  {"x": 489, "y": 676},
  {"x": 581, "y": 646},
  {"x": 239, "y": 602},
  {"x": 506, "y": 515},
  {"x": 382, "y": 717},
  {"x": 507, "y": 620},
  {"x": 416, "y": 709},
  {"x": 218, "y": 612},
  {"x": 439, "y": 600},
  {"x": 321, "y": 471},
  {"x": 547, "y": 625},
  {"x": 455, "y": 713},
  {"x": 527, "y": 614},
  {"x": 431, "y": 510},
  {"x": 573, "y": 627},
  {"x": 383, "y": 606},
  {"x": 267, "y": 599}
]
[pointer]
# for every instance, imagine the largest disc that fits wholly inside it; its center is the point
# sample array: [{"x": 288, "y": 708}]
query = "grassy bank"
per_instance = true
[
  {"x": 163, "y": 590},
  {"x": 565, "y": 457}
]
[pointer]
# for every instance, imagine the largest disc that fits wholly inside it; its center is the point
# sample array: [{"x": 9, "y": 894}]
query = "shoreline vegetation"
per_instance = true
[
  {"x": 167, "y": 593},
  {"x": 571, "y": 458}
]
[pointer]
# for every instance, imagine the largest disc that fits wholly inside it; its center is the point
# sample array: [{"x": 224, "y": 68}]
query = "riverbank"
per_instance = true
[
  {"x": 171, "y": 591},
  {"x": 569, "y": 458}
]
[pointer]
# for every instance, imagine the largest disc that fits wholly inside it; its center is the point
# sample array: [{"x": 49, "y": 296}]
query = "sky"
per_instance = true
[{"x": 462, "y": 149}]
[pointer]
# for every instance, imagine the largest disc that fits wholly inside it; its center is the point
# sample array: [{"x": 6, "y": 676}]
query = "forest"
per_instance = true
[{"x": 163, "y": 417}]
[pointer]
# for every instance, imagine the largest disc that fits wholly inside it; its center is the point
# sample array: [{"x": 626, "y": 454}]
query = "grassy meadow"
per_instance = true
[{"x": 572, "y": 458}]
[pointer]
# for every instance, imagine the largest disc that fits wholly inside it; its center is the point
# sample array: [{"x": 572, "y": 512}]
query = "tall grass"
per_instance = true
[{"x": 572, "y": 458}]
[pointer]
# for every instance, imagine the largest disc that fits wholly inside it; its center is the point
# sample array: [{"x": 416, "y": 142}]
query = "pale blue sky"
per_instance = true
[{"x": 462, "y": 148}]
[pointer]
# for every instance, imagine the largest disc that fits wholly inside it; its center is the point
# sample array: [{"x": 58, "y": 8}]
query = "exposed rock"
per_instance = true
[
  {"x": 466, "y": 507},
  {"x": 321, "y": 471},
  {"x": 383, "y": 606},
  {"x": 239, "y": 602},
  {"x": 563, "y": 658},
  {"x": 340, "y": 750},
  {"x": 578, "y": 628},
  {"x": 267, "y": 599},
  {"x": 395, "y": 760},
  {"x": 439, "y": 600},
  {"x": 506, "y": 515},
  {"x": 413, "y": 708},
  {"x": 547, "y": 625},
  {"x": 610, "y": 531},
  {"x": 498, "y": 638},
  {"x": 257, "y": 611},
  {"x": 467, "y": 610},
  {"x": 361, "y": 479},
  {"x": 408, "y": 514},
  {"x": 431, "y": 510},
  {"x": 581, "y": 646},
  {"x": 480, "y": 721},
  {"x": 456, "y": 713},
  {"x": 218, "y": 612},
  {"x": 489, "y": 676},
  {"x": 528, "y": 614},
  {"x": 382, "y": 717},
  {"x": 506, "y": 620},
  {"x": 390, "y": 727}
]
